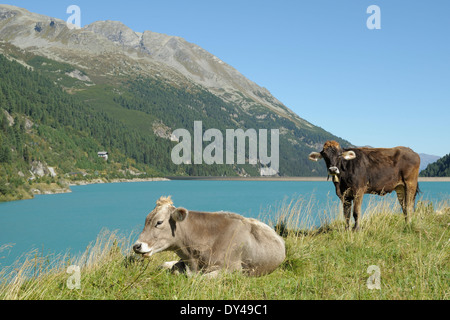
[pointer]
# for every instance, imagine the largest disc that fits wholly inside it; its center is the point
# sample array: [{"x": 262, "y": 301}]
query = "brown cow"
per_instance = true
[
  {"x": 210, "y": 241},
  {"x": 357, "y": 171}
]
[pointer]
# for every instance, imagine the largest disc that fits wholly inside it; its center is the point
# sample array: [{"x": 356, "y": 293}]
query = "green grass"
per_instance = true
[{"x": 324, "y": 263}]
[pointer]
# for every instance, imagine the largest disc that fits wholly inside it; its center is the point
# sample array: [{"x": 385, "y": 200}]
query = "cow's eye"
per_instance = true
[{"x": 159, "y": 223}]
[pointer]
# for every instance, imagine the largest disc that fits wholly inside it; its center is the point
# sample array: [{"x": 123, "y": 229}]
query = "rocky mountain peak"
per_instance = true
[{"x": 116, "y": 32}]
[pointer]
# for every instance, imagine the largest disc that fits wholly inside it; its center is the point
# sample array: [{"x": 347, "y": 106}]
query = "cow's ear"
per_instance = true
[
  {"x": 179, "y": 214},
  {"x": 349, "y": 155},
  {"x": 315, "y": 156}
]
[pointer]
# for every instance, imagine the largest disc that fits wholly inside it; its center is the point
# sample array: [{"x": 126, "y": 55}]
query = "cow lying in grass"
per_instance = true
[{"x": 210, "y": 241}]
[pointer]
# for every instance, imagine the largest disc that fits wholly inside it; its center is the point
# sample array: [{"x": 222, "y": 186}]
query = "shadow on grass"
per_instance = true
[{"x": 282, "y": 229}]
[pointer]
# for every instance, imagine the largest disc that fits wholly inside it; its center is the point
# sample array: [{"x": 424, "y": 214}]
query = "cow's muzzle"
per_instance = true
[
  {"x": 333, "y": 170},
  {"x": 142, "y": 248},
  {"x": 137, "y": 247}
]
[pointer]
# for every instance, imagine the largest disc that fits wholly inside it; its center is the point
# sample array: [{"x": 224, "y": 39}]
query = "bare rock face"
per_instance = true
[
  {"x": 77, "y": 74},
  {"x": 5, "y": 13},
  {"x": 116, "y": 32},
  {"x": 9, "y": 118},
  {"x": 39, "y": 169}
]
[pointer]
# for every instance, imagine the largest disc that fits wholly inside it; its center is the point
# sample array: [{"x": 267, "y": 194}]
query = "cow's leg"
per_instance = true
[
  {"x": 357, "y": 203},
  {"x": 401, "y": 196},
  {"x": 176, "y": 267},
  {"x": 347, "y": 204},
  {"x": 192, "y": 265},
  {"x": 410, "y": 199}
]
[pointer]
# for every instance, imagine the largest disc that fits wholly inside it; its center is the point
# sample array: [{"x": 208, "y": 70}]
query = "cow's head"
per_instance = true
[
  {"x": 333, "y": 156},
  {"x": 159, "y": 229}
]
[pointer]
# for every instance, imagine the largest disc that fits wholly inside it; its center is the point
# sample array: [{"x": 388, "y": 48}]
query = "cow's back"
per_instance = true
[
  {"x": 265, "y": 249},
  {"x": 382, "y": 169},
  {"x": 234, "y": 242}
]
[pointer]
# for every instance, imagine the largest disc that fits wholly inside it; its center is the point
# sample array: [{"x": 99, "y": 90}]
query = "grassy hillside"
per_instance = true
[
  {"x": 325, "y": 263},
  {"x": 440, "y": 168}
]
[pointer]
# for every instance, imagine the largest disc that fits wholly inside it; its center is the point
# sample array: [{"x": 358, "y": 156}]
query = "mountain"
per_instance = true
[
  {"x": 426, "y": 159},
  {"x": 440, "y": 168},
  {"x": 131, "y": 52},
  {"x": 139, "y": 88}
]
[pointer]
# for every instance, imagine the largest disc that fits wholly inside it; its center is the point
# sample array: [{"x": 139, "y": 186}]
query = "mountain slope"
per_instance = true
[
  {"x": 52, "y": 38},
  {"x": 153, "y": 84},
  {"x": 440, "y": 168},
  {"x": 426, "y": 159}
]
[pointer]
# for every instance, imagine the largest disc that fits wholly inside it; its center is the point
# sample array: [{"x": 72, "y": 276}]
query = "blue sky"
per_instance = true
[{"x": 382, "y": 88}]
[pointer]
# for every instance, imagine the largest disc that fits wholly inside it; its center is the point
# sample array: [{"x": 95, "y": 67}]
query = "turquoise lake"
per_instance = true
[{"x": 61, "y": 222}]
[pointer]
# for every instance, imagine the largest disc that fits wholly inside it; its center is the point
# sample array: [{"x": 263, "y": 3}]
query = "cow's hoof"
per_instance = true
[
  {"x": 176, "y": 267},
  {"x": 168, "y": 265}
]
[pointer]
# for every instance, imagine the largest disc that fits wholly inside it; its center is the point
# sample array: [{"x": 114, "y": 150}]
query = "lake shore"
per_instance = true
[
  {"x": 56, "y": 189},
  {"x": 434, "y": 179},
  {"x": 250, "y": 178},
  {"x": 120, "y": 180},
  {"x": 421, "y": 179}
]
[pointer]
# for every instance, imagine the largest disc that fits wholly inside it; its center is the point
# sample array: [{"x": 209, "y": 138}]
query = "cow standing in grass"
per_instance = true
[{"x": 357, "y": 171}]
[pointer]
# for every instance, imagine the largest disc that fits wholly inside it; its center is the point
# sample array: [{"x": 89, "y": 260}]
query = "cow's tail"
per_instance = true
[{"x": 417, "y": 190}]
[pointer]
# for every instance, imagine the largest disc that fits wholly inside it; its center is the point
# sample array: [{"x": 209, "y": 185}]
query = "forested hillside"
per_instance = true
[
  {"x": 43, "y": 126},
  {"x": 440, "y": 168}
]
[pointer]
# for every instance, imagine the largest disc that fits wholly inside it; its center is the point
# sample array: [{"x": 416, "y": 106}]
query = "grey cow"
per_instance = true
[{"x": 210, "y": 241}]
